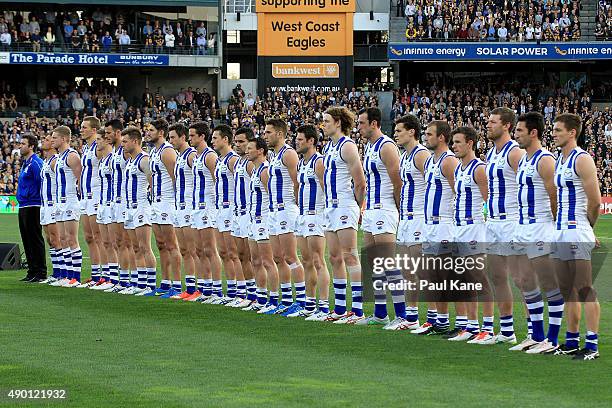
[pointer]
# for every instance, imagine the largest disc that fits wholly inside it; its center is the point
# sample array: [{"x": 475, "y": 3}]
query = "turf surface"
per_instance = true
[{"x": 122, "y": 351}]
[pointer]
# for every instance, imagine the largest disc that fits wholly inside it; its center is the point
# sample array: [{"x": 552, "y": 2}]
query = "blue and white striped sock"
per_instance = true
[
  {"x": 555, "y": 315},
  {"x": 231, "y": 288},
  {"x": 274, "y": 298},
  {"x": 506, "y": 325},
  {"x": 300, "y": 293},
  {"x": 77, "y": 262},
  {"x": 397, "y": 293},
  {"x": 177, "y": 285},
  {"x": 412, "y": 314},
  {"x": 113, "y": 271},
  {"x": 287, "y": 296},
  {"x": 95, "y": 273},
  {"x": 134, "y": 278},
  {"x": 141, "y": 273},
  {"x": 241, "y": 291},
  {"x": 105, "y": 272},
  {"x": 200, "y": 284},
  {"x": 487, "y": 324},
  {"x": 432, "y": 316},
  {"x": 472, "y": 326},
  {"x": 310, "y": 304},
  {"x": 461, "y": 322},
  {"x": 529, "y": 327},
  {"x": 535, "y": 305},
  {"x": 572, "y": 340},
  {"x": 262, "y": 296},
  {"x": 442, "y": 321},
  {"x": 324, "y": 305},
  {"x": 590, "y": 342},
  {"x": 151, "y": 278},
  {"x": 379, "y": 282},
  {"x": 124, "y": 278},
  {"x": 208, "y": 287},
  {"x": 190, "y": 284},
  {"x": 357, "y": 298},
  {"x": 217, "y": 288},
  {"x": 340, "y": 296},
  {"x": 55, "y": 263},
  {"x": 165, "y": 284},
  {"x": 67, "y": 263},
  {"x": 251, "y": 290}
]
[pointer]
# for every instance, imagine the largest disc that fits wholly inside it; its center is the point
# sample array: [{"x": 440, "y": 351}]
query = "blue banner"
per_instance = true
[
  {"x": 482, "y": 51},
  {"x": 61, "y": 58}
]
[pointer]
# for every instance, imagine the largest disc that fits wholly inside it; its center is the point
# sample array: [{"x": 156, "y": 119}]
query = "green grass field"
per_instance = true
[{"x": 121, "y": 351}]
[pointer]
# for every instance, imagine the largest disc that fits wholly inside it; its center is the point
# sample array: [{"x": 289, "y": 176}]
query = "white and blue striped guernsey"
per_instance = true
[
  {"x": 502, "y": 201},
  {"x": 310, "y": 198},
  {"x": 438, "y": 193},
  {"x": 242, "y": 179},
  {"x": 379, "y": 189},
  {"x": 412, "y": 199},
  {"x": 571, "y": 198},
  {"x": 224, "y": 183},
  {"x": 204, "y": 185},
  {"x": 338, "y": 181},
  {"x": 136, "y": 185},
  {"x": 90, "y": 183},
  {"x": 105, "y": 172},
  {"x": 468, "y": 200},
  {"x": 533, "y": 199},
  {"x": 65, "y": 181},
  {"x": 48, "y": 187},
  {"x": 280, "y": 185},
  {"x": 119, "y": 162},
  {"x": 183, "y": 181},
  {"x": 162, "y": 188},
  {"x": 258, "y": 204}
]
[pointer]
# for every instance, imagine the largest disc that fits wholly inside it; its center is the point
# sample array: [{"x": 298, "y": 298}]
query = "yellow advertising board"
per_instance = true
[{"x": 305, "y": 6}]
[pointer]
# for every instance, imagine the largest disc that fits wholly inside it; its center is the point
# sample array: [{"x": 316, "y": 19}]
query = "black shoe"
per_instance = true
[
  {"x": 586, "y": 354},
  {"x": 26, "y": 278},
  {"x": 452, "y": 333},
  {"x": 438, "y": 331},
  {"x": 563, "y": 350}
]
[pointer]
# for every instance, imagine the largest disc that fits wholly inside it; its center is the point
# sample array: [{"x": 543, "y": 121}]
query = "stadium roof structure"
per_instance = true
[{"x": 152, "y": 3}]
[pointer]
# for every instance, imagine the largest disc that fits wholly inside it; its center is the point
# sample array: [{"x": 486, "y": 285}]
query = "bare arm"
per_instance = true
[
  {"x": 449, "y": 165},
  {"x": 546, "y": 168},
  {"x": 169, "y": 159},
  {"x": 514, "y": 157},
  {"x": 74, "y": 162},
  {"x": 231, "y": 164},
  {"x": 586, "y": 170},
  {"x": 419, "y": 160},
  {"x": 290, "y": 160},
  {"x": 144, "y": 167},
  {"x": 390, "y": 157},
  {"x": 265, "y": 176},
  {"x": 320, "y": 171},
  {"x": 480, "y": 176},
  {"x": 191, "y": 158},
  {"x": 211, "y": 164},
  {"x": 350, "y": 154}
]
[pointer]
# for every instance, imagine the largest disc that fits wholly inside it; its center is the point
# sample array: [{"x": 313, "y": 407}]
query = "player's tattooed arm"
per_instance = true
[
  {"x": 546, "y": 168},
  {"x": 587, "y": 171},
  {"x": 351, "y": 155},
  {"x": 389, "y": 155},
  {"x": 168, "y": 157}
]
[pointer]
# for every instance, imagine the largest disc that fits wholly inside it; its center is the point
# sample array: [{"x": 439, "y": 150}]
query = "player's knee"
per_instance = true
[
  {"x": 317, "y": 262},
  {"x": 351, "y": 256},
  {"x": 278, "y": 259},
  {"x": 587, "y": 294},
  {"x": 268, "y": 263},
  {"x": 336, "y": 259}
]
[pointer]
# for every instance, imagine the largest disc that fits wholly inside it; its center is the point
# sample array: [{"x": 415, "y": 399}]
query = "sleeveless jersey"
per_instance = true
[
  {"x": 105, "y": 172},
  {"x": 258, "y": 203},
  {"x": 90, "y": 183},
  {"x": 280, "y": 185},
  {"x": 379, "y": 189},
  {"x": 65, "y": 180},
  {"x": 412, "y": 200},
  {"x": 468, "y": 200},
  {"x": 162, "y": 188},
  {"x": 136, "y": 185},
  {"x": 242, "y": 179},
  {"x": 533, "y": 200},
  {"x": 119, "y": 181},
  {"x": 338, "y": 181},
  {"x": 204, "y": 185},
  {"x": 183, "y": 181},
  {"x": 224, "y": 185},
  {"x": 502, "y": 203},
  {"x": 571, "y": 198},
  {"x": 438, "y": 193},
  {"x": 48, "y": 187},
  {"x": 310, "y": 199}
]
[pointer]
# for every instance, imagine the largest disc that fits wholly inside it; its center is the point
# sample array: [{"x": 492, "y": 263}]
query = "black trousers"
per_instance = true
[{"x": 33, "y": 242}]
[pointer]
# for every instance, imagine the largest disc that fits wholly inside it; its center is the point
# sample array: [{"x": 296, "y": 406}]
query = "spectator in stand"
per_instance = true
[
  {"x": 107, "y": 42},
  {"x": 95, "y": 43},
  {"x": 78, "y": 104},
  {"x": 158, "y": 39},
  {"x": 36, "y": 41},
  {"x": 201, "y": 30},
  {"x": 169, "y": 41},
  {"x": 190, "y": 43},
  {"x": 5, "y": 41},
  {"x": 211, "y": 44},
  {"x": 124, "y": 42},
  {"x": 67, "y": 30},
  {"x": 202, "y": 44},
  {"x": 75, "y": 42}
]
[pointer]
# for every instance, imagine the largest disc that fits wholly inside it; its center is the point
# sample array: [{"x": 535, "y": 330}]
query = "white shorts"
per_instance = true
[
  {"x": 68, "y": 211},
  {"x": 137, "y": 217},
  {"x": 533, "y": 240},
  {"x": 119, "y": 213},
  {"x": 573, "y": 244},
  {"x": 105, "y": 214},
  {"x": 283, "y": 221},
  {"x": 499, "y": 233},
  {"x": 47, "y": 215},
  {"x": 470, "y": 239},
  {"x": 89, "y": 207},
  {"x": 224, "y": 219},
  {"x": 182, "y": 218},
  {"x": 310, "y": 225},
  {"x": 202, "y": 219},
  {"x": 259, "y": 229},
  {"x": 163, "y": 213},
  {"x": 342, "y": 217},
  {"x": 241, "y": 225},
  {"x": 438, "y": 239},
  {"x": 410, "y": 232},
  {"x": 380, "y": 221}
]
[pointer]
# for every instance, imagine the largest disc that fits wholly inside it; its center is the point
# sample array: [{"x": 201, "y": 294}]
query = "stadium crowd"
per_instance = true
[
  {"x": 603, "y": 29},
  {"x": 498, "y": 20},
  {"x": 102, "y": 30}
]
